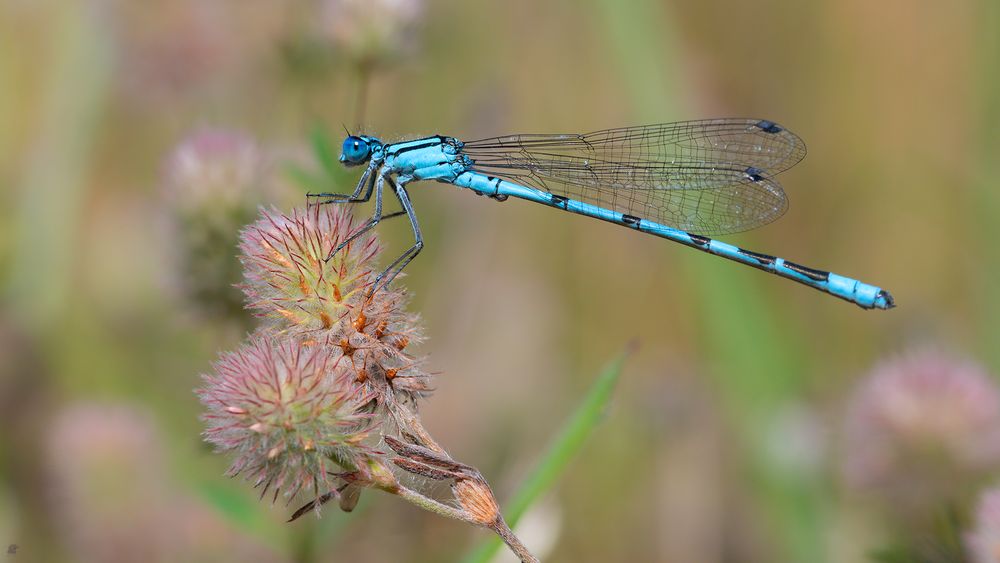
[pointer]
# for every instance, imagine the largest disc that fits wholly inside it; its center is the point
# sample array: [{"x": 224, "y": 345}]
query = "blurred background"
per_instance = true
[{"x": 758, "y": 421}]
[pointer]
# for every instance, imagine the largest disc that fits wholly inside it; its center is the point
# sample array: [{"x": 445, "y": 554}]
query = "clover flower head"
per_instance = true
[
  {"x": 328, "y": 368},
  {"x": 920, "y": 421},
  {"x": 288, "y": 279},
  {"x": 290, "y": 282},
  {"x": 212, "y": 182},
  {"x": 289, "y": 412},
  {"x": 213, "y": 167}
]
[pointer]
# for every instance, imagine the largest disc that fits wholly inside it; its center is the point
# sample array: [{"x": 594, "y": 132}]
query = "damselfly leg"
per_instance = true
[
  {"x": 397, "y": 265},
  {"x": 378, "y": 183},
  {"x": 365, "y": 184}
]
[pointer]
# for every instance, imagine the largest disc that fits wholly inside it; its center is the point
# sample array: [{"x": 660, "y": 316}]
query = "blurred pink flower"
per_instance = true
[
  {"x": 371, "y": 31},
  {"x": 213, "y": 182},
  {"x": 214, "y": 167},
  {"x": 180, "y": 50},
  {"x": 290, "y": 414},
  {"x": 983, "y": 541},
  {"x": 113, "y": 499},
  {"x": 102, "y": 459},
  {"x": 167, "y": 49},
  {"x": 922, "y": 426}
]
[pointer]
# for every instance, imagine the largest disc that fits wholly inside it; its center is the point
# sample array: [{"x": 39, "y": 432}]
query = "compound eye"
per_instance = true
[{"x": 355, "y": 150}]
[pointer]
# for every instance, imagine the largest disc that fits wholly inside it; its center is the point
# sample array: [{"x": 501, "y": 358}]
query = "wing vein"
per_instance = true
[{"x": 711, "y": 177}]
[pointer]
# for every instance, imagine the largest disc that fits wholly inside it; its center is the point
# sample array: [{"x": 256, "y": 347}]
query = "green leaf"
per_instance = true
[{"x": 565, "y": 446}]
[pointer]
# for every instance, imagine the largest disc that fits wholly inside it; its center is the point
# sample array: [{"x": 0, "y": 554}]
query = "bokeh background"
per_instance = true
[{"x": 137, "y": 137}]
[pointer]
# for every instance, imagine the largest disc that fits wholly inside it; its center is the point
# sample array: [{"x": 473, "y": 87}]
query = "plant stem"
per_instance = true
[
  {"x": 409, "y": 422},
  {"x": 512, "y": 541},
  {"x": 432, "y": 505}
]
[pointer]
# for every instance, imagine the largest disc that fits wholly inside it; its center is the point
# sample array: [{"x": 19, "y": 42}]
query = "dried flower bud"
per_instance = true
[
  {"x": 286, "y": 411},
  {"x": 349, "y": 497},
  {"x": 476, "y": 499},
  {"x": 922, "y": 426},
  {"x": 380, "y": 476}
]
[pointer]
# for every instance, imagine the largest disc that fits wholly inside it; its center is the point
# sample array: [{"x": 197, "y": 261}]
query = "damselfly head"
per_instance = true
[{"x": 357, "y": 150}]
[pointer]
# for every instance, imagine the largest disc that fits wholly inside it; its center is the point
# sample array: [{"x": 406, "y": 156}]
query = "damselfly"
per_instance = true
[{"x": 680, "y": 181}]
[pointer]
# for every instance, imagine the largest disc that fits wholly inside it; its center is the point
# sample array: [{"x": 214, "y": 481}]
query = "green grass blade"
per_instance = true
[{"x": 566, "y": 444}]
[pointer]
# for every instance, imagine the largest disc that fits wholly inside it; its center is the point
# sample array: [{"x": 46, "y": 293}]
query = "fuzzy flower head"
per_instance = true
[
  {"x": 921, "y": 425},
  {"x": 290, "y": 282},
  {"x": 290, "y": 414},
  {"x": 213, "y": 168},
  {"x": 299, "y": 293},
  {"x": 983, "y": 542},
  {"x": 371, "y": 31},
  {"x": 213, "y": 180}
]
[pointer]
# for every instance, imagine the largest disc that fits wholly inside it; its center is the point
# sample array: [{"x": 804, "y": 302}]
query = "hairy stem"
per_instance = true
[
  {"x": 432, "y": 505},
  {"x": 512, "y": 541}
]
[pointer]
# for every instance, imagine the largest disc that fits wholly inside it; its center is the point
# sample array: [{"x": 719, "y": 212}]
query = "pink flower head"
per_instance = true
[
  {"x": 922, "y": 424},
  {"x": 214, "y": 168},
  {"x": 107, "y": 485},
  {"x": 289, "y": 282},
  {"x": 214, "y": 180},
  {"x": 290, "y": 413}
]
